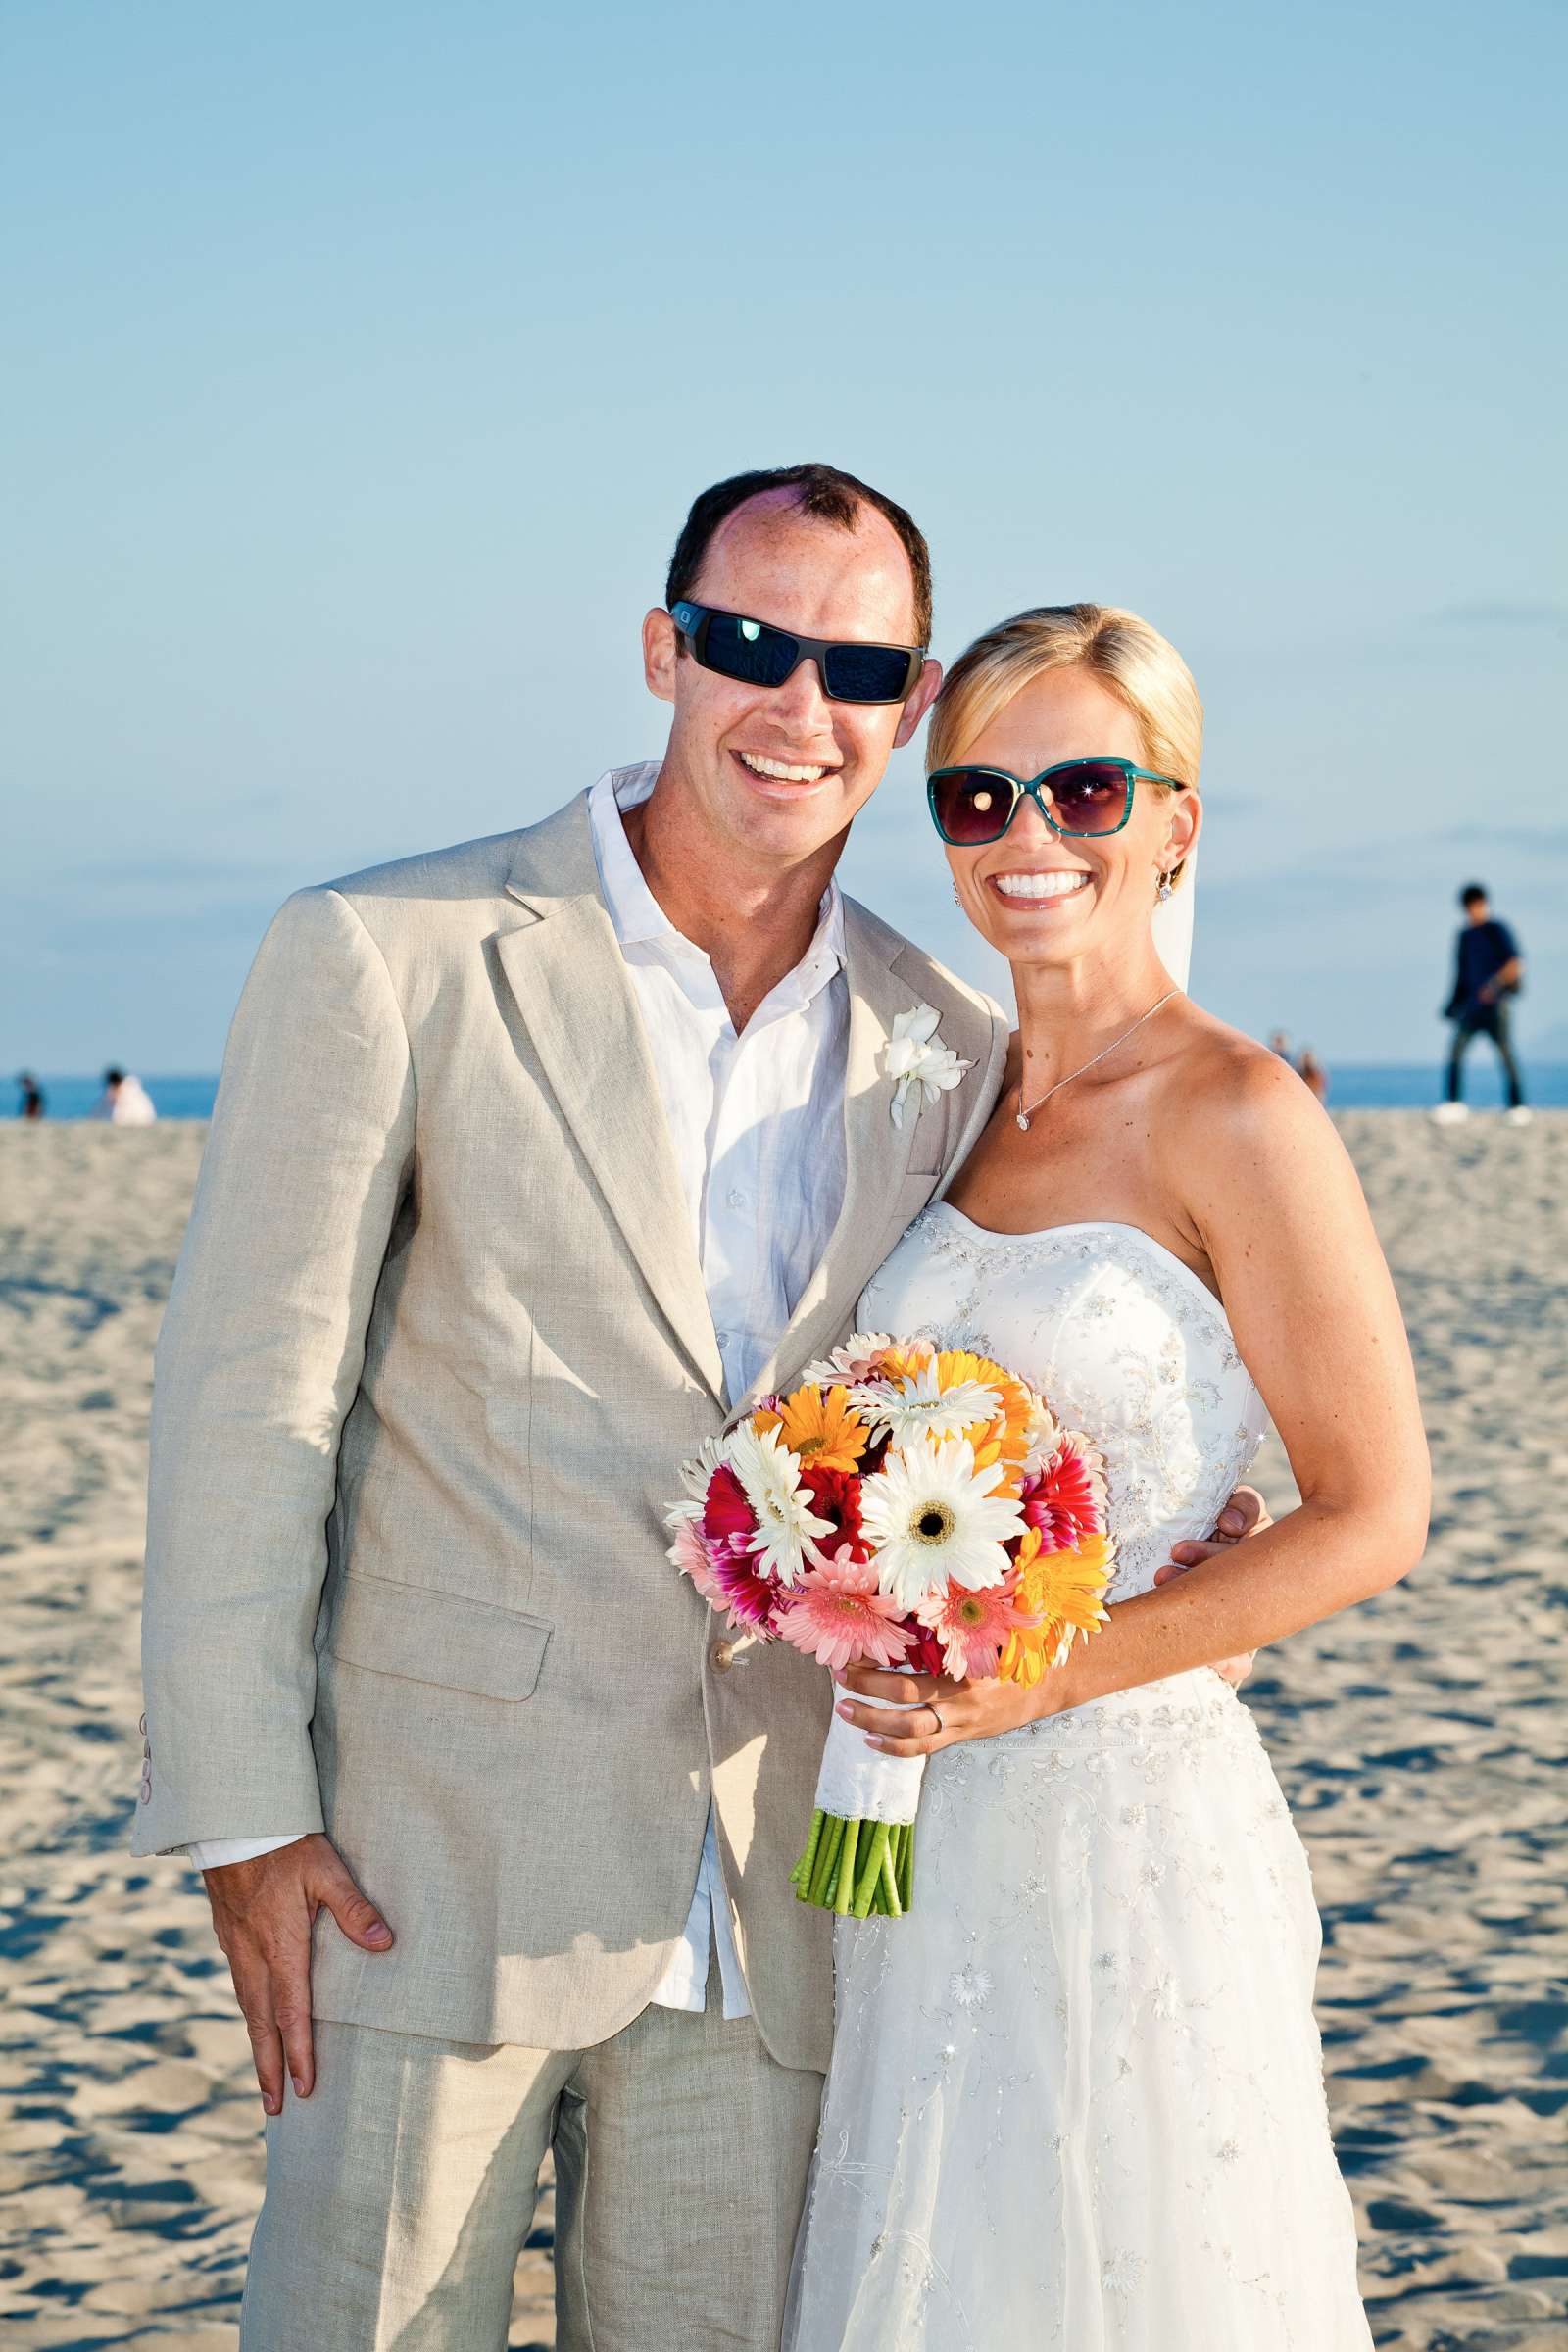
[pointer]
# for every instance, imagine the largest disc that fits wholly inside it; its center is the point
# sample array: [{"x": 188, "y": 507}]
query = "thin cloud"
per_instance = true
[
  {"x": 1546, "y": 841},
  {"x": 1498, "y": 614},
  {"x": 178, "y": 874}
]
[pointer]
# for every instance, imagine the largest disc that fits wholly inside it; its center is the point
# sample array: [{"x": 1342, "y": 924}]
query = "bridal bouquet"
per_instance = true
[{"x": 905, "y": 1507}]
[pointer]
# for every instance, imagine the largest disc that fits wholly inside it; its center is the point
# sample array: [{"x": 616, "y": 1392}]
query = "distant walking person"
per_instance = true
[
  {"x": 124, "y": 1102},
  {"x": 32, "y": 1105},
  {"x": 1311, "y": 1070},
  {"x": 1488, "y": 971}
]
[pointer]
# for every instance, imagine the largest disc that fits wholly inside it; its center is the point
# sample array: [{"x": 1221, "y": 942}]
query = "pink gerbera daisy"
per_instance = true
[
  {"x": 1066, "y": 1499},
  {"x": 739, "y": 1584},
  {"x": 837, "y": 1616},
  {"x": 973, "y": 1628},
  {"x": 727, "y": 1512},
  {"x": 689, "y": 1553}
]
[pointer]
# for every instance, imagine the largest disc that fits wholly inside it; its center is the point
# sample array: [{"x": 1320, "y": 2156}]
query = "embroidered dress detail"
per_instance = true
[{"x": 1076, "y": 2098}]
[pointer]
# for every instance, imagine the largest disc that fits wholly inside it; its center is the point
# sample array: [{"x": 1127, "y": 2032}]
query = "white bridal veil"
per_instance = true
[{"x": 1174, "y": 927}]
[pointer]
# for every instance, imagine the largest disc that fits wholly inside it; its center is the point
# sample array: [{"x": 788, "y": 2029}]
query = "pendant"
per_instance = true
[{"x": 1023, "y": 1122}]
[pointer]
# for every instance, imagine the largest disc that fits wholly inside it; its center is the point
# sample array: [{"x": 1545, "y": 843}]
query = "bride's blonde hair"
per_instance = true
[{"x": 1141, "y": 669}]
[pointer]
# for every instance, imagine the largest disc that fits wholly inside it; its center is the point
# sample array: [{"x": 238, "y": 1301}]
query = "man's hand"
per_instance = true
[
  {"x": 1246, "y": 1514},
  {"x": 263, "y": 1912}
]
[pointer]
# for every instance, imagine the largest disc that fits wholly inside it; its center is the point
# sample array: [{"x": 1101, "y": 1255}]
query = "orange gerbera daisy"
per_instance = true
[
  {"x": 820, "y": 1428},
  {"x": 904, "y": 1361},
  {"x": 1064, "y": 1592},
  {"x": 1006, "y": 1438}
]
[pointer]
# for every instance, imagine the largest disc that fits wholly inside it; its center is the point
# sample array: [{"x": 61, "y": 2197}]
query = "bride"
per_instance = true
[{"x": 1076, "y": 2098}]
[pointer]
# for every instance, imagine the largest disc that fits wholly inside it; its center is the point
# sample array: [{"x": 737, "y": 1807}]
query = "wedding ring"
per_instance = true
[{"x": 937, "y": 1712}]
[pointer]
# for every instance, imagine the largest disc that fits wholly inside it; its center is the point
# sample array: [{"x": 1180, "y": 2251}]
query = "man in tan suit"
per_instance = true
[{"x": 533, "y": 1161}]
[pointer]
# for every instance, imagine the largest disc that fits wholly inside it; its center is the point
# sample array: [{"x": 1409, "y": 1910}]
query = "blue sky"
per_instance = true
[{"x": 361, "y": 364}]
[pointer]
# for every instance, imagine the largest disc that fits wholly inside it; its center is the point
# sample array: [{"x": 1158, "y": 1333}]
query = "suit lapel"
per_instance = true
[{"x": 566, "y": 969}]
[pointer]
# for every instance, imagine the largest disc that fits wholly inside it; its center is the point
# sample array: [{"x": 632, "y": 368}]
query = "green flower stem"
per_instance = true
[
  {"x": 870, "y": 1872},
  {"x": 843, "y": 1892},
  {"x": 858, "y": 1869},
  {"x": 828, "y": 1863},
  {"x": 827, "y": 1855},
  {"x": 800, "y": 1875}
]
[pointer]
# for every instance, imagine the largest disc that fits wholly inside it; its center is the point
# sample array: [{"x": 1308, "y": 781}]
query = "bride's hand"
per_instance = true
[
  {"x": 936, "y": 1713},
  {"x": 939, "y": 1712},
  {"x": 1246, "y": 1514}
]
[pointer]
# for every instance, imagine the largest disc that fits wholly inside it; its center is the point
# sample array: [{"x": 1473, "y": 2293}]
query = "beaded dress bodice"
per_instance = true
[{"x": 1124, "y": 1342}]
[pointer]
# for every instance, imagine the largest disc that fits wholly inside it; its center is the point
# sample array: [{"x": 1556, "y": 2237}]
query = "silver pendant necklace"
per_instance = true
[{"x": 1026, "y": 1110}]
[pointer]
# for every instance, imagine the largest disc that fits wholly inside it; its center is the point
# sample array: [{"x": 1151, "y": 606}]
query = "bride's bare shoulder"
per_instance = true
[{"x": 1223, "y": 1083}]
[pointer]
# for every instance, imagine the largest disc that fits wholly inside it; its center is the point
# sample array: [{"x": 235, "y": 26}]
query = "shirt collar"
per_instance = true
[{"x": 639, "y": 919}]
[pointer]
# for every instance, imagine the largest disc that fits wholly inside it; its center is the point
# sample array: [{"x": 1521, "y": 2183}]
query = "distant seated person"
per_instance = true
[
  {"x": 124, "y": 1102},
  {"x": 1489, "y": 972}
]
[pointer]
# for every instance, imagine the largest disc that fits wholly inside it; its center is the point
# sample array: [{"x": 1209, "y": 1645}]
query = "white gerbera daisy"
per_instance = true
[
  {"x": 697, "y": 1476},
  {"x": 787, "y": 1527},
  {"x": 917, "y": 1406},
  {"x": 933, "y": 1518},
  {"x": 851, "y": 1362},
  {"x": 1041, "y": 1437}
]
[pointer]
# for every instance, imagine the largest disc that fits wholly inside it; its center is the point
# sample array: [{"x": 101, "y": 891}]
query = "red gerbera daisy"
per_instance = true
[
  {"x": 836, "y": 1496},
  {"x": 726, "y": 1511},
  {"x": 1066, "y": 1499},
  {"x": 928, "y": 1656}
]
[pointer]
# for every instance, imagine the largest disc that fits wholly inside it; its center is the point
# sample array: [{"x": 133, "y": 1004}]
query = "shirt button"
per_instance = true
[
  {"x": 141, "y": 1725},
  {"x": 736, "y": 1198},
  {"x": 723, "y": 1655}
]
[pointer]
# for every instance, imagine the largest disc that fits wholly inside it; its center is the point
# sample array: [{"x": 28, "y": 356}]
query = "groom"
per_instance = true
[{"x": 533, "y": 1161}]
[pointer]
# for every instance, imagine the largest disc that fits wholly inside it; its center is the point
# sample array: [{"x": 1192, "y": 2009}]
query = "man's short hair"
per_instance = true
[
  {"x": 822, "y": 491},
  {"x": 1475, "y": 894}
]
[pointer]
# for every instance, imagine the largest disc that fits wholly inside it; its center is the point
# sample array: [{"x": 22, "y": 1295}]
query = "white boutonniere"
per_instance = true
[{"x": 916, "y": 1060}]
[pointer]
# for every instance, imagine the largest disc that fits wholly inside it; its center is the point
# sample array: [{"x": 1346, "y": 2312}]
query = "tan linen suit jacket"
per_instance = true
[{"x": 437, "y": 1346}]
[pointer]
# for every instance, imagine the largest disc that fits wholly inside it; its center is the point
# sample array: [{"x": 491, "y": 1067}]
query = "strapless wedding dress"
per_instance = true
[{"x": 1076, "y": 2098}]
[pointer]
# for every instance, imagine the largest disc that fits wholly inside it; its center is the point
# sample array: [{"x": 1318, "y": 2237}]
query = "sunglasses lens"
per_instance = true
[
  {"x": 971, "y": 806},
  {"x": 749, "y": 650},
  {"x": 1091, "y": 797},
  {"x": 866, "y": 673}
]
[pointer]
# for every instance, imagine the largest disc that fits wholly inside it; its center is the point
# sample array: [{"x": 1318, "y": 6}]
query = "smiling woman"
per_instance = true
[
  {"x": 1157, "y": 1226},
  {"x": 1139, "y": 666}
]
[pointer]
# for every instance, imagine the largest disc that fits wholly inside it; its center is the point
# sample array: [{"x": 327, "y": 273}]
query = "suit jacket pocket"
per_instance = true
[{"x": 430, "y": 1636}]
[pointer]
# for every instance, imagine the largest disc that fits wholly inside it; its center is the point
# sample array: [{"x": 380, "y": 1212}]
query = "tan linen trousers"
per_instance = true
[{"x": 401, "y": 2193}]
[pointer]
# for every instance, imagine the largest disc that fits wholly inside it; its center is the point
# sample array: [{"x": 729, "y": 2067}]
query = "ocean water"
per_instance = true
[{"x": 1352, "y": 1086}]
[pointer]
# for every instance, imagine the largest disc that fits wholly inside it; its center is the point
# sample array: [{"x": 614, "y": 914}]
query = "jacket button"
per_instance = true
[{"x": 723, "y": 1655}]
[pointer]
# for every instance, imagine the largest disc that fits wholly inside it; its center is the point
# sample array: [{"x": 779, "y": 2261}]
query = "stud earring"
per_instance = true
[
  {"x": 957, "y": 901},
  {"x": 1164, "y": 888}
]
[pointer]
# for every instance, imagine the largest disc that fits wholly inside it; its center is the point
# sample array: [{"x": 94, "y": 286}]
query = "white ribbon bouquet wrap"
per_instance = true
[{"x": 907, "y": 1507}]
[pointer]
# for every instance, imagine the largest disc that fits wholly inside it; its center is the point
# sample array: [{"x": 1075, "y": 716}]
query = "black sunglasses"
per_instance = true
[
  {"x": 973, "y": 805},
  {"x": 757, "y": 653}
]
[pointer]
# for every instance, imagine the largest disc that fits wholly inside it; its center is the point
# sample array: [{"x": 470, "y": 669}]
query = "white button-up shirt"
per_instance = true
[
  {"x": 757, "y": 1121},
  {"x": 758, "y": 1125}
]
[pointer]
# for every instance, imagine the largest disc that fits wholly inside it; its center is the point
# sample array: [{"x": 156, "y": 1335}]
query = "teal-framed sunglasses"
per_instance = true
[{"x": 1080, "y": 798}]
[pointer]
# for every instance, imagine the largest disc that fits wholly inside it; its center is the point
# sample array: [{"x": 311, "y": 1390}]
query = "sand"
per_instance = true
[{"x": 1421, "y": 1741}]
